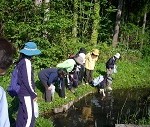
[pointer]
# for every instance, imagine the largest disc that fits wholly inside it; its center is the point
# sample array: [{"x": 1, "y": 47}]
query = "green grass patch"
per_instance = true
[{"x": 132, "y": 73}]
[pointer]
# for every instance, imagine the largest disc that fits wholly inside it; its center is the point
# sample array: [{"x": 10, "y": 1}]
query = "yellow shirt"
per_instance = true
[{"x": 90, "y": 62}]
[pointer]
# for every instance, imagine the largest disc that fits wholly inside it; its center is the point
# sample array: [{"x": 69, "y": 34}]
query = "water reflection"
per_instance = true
[{"x": 120, "y": 106}]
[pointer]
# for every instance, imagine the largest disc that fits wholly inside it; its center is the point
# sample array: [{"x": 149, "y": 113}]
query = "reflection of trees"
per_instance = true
[
  {"x": 135, "y": 107},
  {"x": 118, "y": 107}
]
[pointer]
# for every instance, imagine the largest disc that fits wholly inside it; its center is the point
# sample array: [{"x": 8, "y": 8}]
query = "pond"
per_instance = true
[{"x": 118, "y": 107}]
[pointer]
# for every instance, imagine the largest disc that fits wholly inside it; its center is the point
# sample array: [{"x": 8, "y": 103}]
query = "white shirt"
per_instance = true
[{"x": 4, "y": 117}]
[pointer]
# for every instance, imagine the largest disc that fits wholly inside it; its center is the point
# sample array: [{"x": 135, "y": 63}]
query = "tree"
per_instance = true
[
  {"x": 117, "y": 24},
  {"x": 96, "y": 20},
  {"x": 75, "y": 18},
  {"x": 145, "y": 10}
]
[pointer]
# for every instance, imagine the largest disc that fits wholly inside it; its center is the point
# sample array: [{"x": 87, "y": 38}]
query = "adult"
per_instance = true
[
  {"x": 6, "y": 58},
  {"x": 81, "y": 68},
  {"x": 71, "y": 65},
  {"x": 111, "y": 64},
  {"x": 26, "y": 95},
  {"x": 49, "y": 77},
  {"x": 90, "y": 61}
]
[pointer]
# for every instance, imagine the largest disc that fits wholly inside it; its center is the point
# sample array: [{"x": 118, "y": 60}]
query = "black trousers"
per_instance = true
[
  {"x": 62, "y": 88},
  {"x": 81, "y": 74}
]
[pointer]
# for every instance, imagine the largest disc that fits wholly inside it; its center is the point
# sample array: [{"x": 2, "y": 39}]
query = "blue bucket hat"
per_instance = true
[{"x": 30, "y": 49}]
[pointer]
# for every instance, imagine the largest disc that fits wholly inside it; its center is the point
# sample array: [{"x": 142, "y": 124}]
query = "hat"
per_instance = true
[
  {"x": 117, "y": 55},
  {"x": 79, "y": 60},
  {"x": 30, "y": 49},
  {"x": 82, "y": 55},
  {"x": 95, "y": 52}
]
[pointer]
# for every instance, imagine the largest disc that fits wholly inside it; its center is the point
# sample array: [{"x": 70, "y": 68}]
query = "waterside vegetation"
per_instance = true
[{"x": 132, "y": 73}]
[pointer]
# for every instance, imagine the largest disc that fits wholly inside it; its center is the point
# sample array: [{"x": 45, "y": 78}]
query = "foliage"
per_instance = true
[
  {"x": 146, "y": 51},
  {"x": 42, "y": 122},
  {"x": 22, "y": 21},
  {"x": 132, "y": 37},
  {"x": 132, "y": 73},
  {"x": 144, "y": 121}
]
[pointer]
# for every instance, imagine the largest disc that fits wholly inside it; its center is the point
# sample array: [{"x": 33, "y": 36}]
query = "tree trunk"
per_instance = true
[
  {"x": 75, "y": 18},
  {"x": 95, "y": 23},
  {"x": 117, "y": 24},
  {"x": 45, "y": 35},
  {"x": 143, "y": 28}
]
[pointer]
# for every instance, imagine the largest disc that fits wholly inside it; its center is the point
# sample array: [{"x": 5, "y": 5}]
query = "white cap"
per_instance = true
[
  {"x": 83, "y": 56},
  {"x": 117, "y": 55}
]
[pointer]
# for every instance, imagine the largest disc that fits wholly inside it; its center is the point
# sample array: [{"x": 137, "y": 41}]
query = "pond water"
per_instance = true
[{"x": 118, "y": 107}]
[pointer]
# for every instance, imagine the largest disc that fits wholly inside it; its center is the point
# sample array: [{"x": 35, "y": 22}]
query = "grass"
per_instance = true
[{"x": 131, "y": 74}]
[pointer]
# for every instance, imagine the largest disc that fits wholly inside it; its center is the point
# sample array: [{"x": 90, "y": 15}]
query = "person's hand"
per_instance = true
[
  {"x": 50, "y": 87},
  {"x": 35, "y": 99}
]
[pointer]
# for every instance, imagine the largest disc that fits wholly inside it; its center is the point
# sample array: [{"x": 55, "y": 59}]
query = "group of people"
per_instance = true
[
  {"x": 75, "y": 70},
  {"x": 68, "y": 74}
]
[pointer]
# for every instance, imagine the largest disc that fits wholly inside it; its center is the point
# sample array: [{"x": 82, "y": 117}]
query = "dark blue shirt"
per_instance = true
[
  {"x": 110, "y": 63},
  {"x": 48, "y": 75}
]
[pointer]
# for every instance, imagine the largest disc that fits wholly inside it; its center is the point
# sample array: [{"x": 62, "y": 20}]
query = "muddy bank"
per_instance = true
[{"x": 65, "y": 107}]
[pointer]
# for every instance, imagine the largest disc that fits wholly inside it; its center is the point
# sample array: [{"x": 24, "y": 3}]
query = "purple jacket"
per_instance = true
[{"x": 26, "y": 79}]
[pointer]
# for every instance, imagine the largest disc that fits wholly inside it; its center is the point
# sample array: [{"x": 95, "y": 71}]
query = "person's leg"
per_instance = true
[
  {"x": 25, "y": 117},
  {"x": 69, "y": 82},
  {"x": 81, "y": 74},
  {"x": 109, "y": 72},
  {"x": 62, "y": 88},
  {"x": 90, "y": 78},
  {"x": 75, "y": 80},
  {"x": 86, "y": 76},
  {"x": 47, "y": 94}
]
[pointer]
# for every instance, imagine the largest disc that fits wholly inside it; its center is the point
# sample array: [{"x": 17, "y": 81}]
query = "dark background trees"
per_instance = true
[{"x": 60, "y": 24}]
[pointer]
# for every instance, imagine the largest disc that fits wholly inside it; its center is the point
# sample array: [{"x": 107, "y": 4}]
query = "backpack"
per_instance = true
[{"x": 14, "y": 87}]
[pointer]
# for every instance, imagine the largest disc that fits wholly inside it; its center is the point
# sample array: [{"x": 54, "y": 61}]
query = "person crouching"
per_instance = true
[
  {"x": 102, "y": 83},
  {"x": 49, "y": 77}
]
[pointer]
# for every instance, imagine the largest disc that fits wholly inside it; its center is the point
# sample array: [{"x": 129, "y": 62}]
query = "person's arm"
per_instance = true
[{"x": 52, "y": 78}]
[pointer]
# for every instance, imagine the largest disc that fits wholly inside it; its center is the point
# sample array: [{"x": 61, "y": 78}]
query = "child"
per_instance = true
[
  {"x": 6, "y": 58},
  {"x": 48, "y": 78},
  {"x": 102, "y": 83},
  {"x": 26, "y": 95},
  {"x": 71, "y": 66},
  {"x": 111, "y": 64}
]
